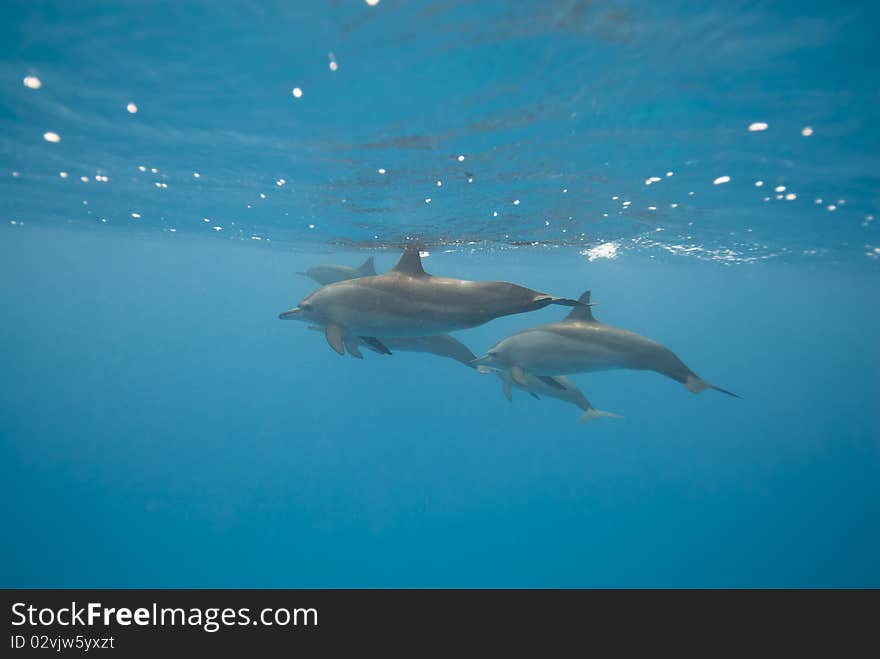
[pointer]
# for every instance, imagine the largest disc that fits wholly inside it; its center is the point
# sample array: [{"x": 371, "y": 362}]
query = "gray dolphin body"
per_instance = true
[
  {"x": 562, "y": 389},
  {"x": 408, "y": 302},
  {"x": 581, "y": 344},
  {"x": 330, "y": 274},
  {"x": 441, "y": 345}
]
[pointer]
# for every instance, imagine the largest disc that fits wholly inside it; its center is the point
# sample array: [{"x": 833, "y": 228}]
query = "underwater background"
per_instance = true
[{"x": 709, "y": 173}]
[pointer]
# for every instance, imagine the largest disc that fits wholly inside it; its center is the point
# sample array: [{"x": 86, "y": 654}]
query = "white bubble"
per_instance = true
[
  {"x": 779, "y": 188},
  {"x": 136, "y": 216},
  {"x": 262, "y": 195},
  {"x": 819, "y": 201},
  {"x": 832, "y": 207},
  {"x": 494, "y": 213},
  {"x": 280, "y": 182},
  {"x": 669, "y": 173},
  {"x": 427, "y": 200},
  {"x": 205, "y": 219},
  {"x": 372, "y": 3},
  {"x": 516, "y": 202},
  {"x": 439, "y": 184},
  {"x": 461, "y": 158},
  {"x": 132, "y": 108},
  {"x": 806, "y": 131},
  {"x": 297, "y": 92},
  {"x": 791, "y": 196},
  {"x": 333, "y": 65},
  {"x": 757, "y": 126},
  {"x": 311, "y": 226},
  {"x": 381, "y": 170},
  {"x": 32, "y": 82},
  {"x": 721, "y": 179},
  {"x": 217, "y": 228},
  {"x": 470, "y": 180},
  {"x": 142, "y": 168},
  {"x": 154, "y": 170},
  {"x": 758, "y": 184},
  {"x": 84, "y": 179},
  {"x": 52, "y": 137},
  {"x": 62, "y": 174}
]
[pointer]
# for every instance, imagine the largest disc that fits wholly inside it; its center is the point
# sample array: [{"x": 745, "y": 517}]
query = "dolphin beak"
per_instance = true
[{"x": 289, "y": 314}]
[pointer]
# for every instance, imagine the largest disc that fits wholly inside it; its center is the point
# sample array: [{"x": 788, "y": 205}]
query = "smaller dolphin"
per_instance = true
[
  {"x": 442, "y": 345},
  {"x": 561, "y": 388},
  {"x": 329, "y": 273},
  {"x": 580, "y": 344}
]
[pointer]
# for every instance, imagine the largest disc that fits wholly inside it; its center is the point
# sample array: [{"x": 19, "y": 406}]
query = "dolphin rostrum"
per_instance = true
[
  {"x": 329, "y": 273},
  {"x": 561, "y": 388},
  {"x": 408, "y": 302},
  {"x": 580, "y": 344}
]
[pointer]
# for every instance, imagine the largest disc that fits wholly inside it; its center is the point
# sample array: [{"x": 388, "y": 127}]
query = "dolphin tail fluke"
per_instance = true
[
  {"x": 565, "y": 302},
  {"x": 696, "y": 385},
  {"x": 593, "y": 413}
]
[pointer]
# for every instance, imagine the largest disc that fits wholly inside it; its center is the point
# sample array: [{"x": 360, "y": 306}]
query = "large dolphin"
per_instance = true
[
  {"x": 580, "y": 344},
  {"x": 561, "y": 388},
  {"x": 408, "y": 302},
  {"x": 329, "y": 273}
]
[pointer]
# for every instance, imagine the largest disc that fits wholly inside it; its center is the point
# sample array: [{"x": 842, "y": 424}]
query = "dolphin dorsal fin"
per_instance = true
[
  {"x": 367, "y": 267},
  {"x": 410, "y": 263},
  {"x": 583, "y": 312}
]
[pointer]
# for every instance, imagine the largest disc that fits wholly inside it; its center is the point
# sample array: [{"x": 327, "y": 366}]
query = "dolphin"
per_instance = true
[
  {"x": 580, "y": 344},
  {"x": 408, "y": 302},
  {"x": 329, "y": 273},
  {"x": 442, "y": 345},
  {"x": 561, "y": 388}
]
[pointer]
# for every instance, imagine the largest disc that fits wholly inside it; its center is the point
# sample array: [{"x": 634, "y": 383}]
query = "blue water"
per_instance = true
[{"x": 159, "y": 426}]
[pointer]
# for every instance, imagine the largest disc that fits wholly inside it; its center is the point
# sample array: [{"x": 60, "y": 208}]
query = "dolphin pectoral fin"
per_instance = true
[
  {"x": 333, "y": 332},
  {"x": 553, "y": 382},
  {"x": 696, "y": 385},
  {"x": 519, "y": 376},
  {"x": 351, "y": 345},
  {"x": 376, "y": 344},
  {"x": 506, "y": 389},
  {"x": 534, "y": 395}
]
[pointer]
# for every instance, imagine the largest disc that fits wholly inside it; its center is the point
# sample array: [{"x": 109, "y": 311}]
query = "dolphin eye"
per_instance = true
[{"x": 306, "y": 306}]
